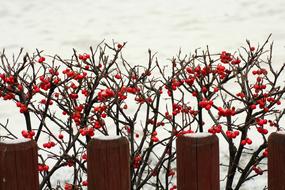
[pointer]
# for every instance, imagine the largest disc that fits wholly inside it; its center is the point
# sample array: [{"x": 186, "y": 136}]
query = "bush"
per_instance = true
[{"x": 66, "y": 102}]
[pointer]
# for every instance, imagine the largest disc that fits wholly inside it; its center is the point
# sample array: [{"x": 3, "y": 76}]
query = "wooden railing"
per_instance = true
[{"x": 109, "y": 165}]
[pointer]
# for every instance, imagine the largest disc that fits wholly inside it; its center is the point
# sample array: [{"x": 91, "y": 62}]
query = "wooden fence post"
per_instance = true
[
  {"x": 19, "y": 165},
  {"x": 198, "y": 162},
  {"x": 108, "y": 165},
  {"x": 276, "y": 161}
]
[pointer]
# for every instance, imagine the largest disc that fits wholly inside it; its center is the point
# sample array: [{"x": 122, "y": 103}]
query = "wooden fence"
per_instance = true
[{"x": 109, "y": 165}]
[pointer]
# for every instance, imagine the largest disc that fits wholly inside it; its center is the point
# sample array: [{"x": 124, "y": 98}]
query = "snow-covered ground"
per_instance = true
[{"x": 161, "y": 25}]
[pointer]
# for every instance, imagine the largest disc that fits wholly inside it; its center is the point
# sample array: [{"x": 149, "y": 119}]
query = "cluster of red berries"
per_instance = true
[
  {"x": 236, "y": 61},
  {"x": 105, "y": 94},
  {"x": 76, "y": 117},
  {"x": 258, "y": 87},
  {"x": 132, "y": 90},
  {"x": 79, "y": 76},
  {"x": 221, "y": 71},
  {"x": 174, "y": 84},
  {"x": 23, "y": 107},
  {"x": 259, "y": 72},
  {"x": 246, "y": 141},
  {"x": 240, "y": 94},
  {"x": 190, "y": 80},
  {"x": 232, "y": 134},
  {"x": 7, "y": 96},
  {"x": 73, "y": 96},
  {"x": 43, "y": 167},
  {"x": 68, "y": 73},
  {"x": 173, "y": 187},
  {"x": 28, "y": 134},
  {"x": 49, "y": 144},
  {"x": 68, "y": 186},
  {"x": 100, "y": 109},
  {"x": 176, "y": 108},
  {"x": 154, "y": 137},
  {"x": 45, "y": 83},
  {"x": 262, "y": 103},
  {"x": 225, "y": 57},
  {"x": 198, "y": 71},
  {"x": 137, "y": 161},
  {"x": 87, "y": 131},
  {"x": 74, "y": 75},
  {"x": 207, "y": 104},
  {"x": 228, "y": 58},
  {"x": 7, "y": 79},
  {"x": 215, "y": 129},
  {"x": 122, "y": 92},
  {"x": 260, "y": 122},
  {"x": 84, "y": 57},
  {"x": 261, "y": 130},
  {"x": 36, "y": 89},
  {"x": 97, "y": 125},
  {"x": 226, "y": 112}
]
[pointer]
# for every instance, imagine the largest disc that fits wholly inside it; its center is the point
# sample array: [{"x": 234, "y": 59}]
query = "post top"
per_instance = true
[{"x": 14, "y": 141}]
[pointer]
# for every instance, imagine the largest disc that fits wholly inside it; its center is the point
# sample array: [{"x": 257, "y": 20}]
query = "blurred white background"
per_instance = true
[{"x": 161, "y": 25}]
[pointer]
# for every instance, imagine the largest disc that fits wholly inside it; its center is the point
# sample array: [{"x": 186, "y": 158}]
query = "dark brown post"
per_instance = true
[
  {"x": 276, "y": 161},
  {"x": 198, "y": 162},
  {"x": 108, "y": 164},
  {"x": 19, "y": 165}
]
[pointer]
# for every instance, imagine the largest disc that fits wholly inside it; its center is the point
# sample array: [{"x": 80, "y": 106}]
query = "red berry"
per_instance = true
[
  {"x": 41, "y": 59},
  {"x": 243, "y": 142},
  {"x": 119, "y": 46},
  {"x": 60, "y": 136},
  {"x": 154, "y": 139},
  {"x": 25, "y": 134},
  {"x": 249, "y": 141},
  {"x": 84, "y": 183},
  {"x": 45, "y": 168},
  {"x": 40, "y": 167}
]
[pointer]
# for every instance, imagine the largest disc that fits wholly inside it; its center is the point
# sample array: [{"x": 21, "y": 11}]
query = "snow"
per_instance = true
[
  {"x": 14, "y": 141},
  {"x": 281, "y": 132},
  {"x": 108, "y": 138}
]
